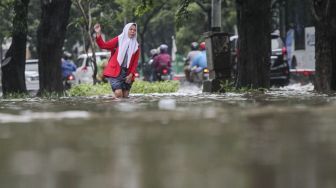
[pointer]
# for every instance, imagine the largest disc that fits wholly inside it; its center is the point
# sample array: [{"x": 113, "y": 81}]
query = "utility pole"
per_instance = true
[
  {"x": 216, "y": 15},
  {"x": 218, "y": 52}
]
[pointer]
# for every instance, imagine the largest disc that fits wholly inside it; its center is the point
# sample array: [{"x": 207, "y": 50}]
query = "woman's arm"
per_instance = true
[{"x": 109, "y": 45}]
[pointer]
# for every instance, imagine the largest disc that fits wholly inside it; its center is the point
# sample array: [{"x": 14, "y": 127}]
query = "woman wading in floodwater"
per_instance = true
[{"x": 121, "y": 68}]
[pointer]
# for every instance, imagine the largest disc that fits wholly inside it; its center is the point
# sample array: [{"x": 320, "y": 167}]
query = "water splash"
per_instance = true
[
  {"x": 293, "y": 90},
  {"x": 167, "y": 104}
]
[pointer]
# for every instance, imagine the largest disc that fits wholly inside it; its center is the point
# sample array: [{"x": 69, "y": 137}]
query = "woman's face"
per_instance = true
[{"x": 132, "y": 31}]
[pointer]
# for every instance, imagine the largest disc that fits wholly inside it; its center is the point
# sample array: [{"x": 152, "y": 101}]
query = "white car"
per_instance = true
[
  {"x": 84, "y": 65},
  {"x": 32, "y": 75}
]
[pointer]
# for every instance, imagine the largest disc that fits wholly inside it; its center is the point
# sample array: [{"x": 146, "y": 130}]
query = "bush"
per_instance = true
[
  {"x": 90, "y": 90},
  {"x": 138, "y": 87}
]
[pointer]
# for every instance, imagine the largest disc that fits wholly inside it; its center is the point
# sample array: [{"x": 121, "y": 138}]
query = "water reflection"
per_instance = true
[{"x": 284, "y": 138}]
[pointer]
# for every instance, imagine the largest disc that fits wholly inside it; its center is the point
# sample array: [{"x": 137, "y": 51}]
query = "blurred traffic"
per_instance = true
[{"x": 163, "y": 63}]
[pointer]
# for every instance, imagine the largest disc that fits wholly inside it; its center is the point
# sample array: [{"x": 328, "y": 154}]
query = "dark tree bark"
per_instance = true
[
  {"x": 1, "y": 56},
  {"x": 254, "y": 43},
  {"x": 325, "y": 46},
  {"x": 51, "y": 35},
  {"x": 142, "y": 29},
  {"x": 13, "y": 77}
]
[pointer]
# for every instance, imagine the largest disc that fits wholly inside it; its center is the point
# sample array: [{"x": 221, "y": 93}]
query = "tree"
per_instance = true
[
  {"x": 195, "y": 16},
  {"x": 191, "y": 30},
  {"x": 105, "y": 12},
  {"x": 143, "y": 28},
  {"x": 86, "y": 8},
  {"x": 255, "y": 43},
  {"x": 34, "y": 16},
  {"x": 13, "y": 77},
  {"x": 51, "y": 34},
  {"x": 325, "y": 53}
]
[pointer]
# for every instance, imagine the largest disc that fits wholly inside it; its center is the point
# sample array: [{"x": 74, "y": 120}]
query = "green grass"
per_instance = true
[
  {"x": 137, "y": 87},
  {"x": 15, "y": 96},
  {"x": 227, "y": 86}
]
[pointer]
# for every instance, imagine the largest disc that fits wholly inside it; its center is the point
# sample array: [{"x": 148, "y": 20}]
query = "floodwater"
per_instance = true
[{"x": 283, "y": 138}]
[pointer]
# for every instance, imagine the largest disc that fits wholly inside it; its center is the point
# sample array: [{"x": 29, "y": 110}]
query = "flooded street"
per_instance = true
[{"x": 283, "y": 138}]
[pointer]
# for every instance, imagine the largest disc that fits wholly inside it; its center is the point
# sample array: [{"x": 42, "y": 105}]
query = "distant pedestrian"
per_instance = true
[{"x": 121, "y": 68}]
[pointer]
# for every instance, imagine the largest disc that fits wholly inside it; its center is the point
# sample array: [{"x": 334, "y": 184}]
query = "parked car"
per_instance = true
[
  {"x": 84, "y": 65},
  {"x": 279, "y": 69},
  {"x": 280, "y": 73},
  {"x": 32, "y": 74}
]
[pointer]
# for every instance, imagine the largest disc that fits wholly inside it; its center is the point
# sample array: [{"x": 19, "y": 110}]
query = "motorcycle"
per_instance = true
[
  {"x": 68, "y": 81},
  {"x": 163, "y": 74},
  {"x": 206, "y": 74},
  {"x": 200, "y": 75}
]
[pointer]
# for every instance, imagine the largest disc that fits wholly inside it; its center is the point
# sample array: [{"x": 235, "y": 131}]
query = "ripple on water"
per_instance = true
[{"x": 28, "y": 116}]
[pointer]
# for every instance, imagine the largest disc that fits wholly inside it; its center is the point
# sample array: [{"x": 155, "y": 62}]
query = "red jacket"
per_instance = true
[{"x": 113, "y": 68}]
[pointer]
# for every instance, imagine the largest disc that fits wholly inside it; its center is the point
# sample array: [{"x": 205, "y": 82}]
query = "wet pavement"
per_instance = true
[{"x": 285, "y": 137}]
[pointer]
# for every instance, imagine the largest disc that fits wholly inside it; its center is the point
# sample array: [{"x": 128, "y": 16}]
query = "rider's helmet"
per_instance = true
[
  {"x": 202, "y": 46},
  {"x": 194, "y": 46},
  {"x": 66, "y": 55},
  {"x": 153, "y": 52},
  {"x": 163, "y": 48}
]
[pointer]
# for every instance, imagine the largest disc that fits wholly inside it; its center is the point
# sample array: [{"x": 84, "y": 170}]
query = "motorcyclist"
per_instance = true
[
  {"x": 199, "y": 63},
  {"x": 67, "y": 65},
  {"x": 149, "y": 66},
  {"x": 163, "y": 60},
  {"x": 187, "y": 65}
]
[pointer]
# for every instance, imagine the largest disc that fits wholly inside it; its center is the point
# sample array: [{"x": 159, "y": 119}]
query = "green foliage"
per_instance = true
[
  {"x": 6, "y": 17},
  {"x": 141, "y": 10},
  {"x": 137, "y": 87},
  {"x": 193, "y": 31},
  {"x": 155, "y": 87},
  {"x": 182, "y": 13},
  {"x": 50, "y": 95},
  {"x": 89, "y": 90},
  {"x": 192, "y": 18},
  {"x": 105, "y": 12},
  {"x": 16, "y": 96}
]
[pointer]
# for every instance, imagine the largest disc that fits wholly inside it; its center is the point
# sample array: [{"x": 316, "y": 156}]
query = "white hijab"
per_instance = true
[{"x": 126, "y": 43}]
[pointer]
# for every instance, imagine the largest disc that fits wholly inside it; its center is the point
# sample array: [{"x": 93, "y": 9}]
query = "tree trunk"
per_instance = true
[
  {"x": 142, "y": 53},
  {"x": 325, "y": 46},
  {"x": 1, "y": 49},
  {"x": 254, "y": 43},
  {"x": 143, "y": 30},
  {"x": 51, "y": 34},
  {"x": 13, "y": 76}
]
